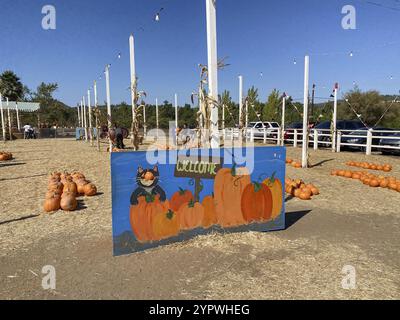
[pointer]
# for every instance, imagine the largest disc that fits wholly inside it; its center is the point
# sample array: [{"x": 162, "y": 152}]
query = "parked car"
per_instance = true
[
  {"x": 289, "y": 130},
  {"x": 360, "y": 137},
  {"x": 390, "y": 143},
  {"x": 347, "y": 125},
  {"x": 259, "y": 127}
]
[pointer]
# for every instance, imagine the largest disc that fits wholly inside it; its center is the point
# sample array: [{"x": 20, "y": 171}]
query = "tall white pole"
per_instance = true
[
  {"x": 90, "y": 117},
  {"x": 97, "y": 117},
  {"x": 16, "y": 109},
  {"x": 304, "y": 158},
  {"x": 108, "y": 103},
  {"x": 247, "y": 114},
  {"x": 334, "y": 120},
  {"x": 79, "y": 115},
  {"x": 283, "y": 120},
  {"x": 2, "y": 118},
  {"x": 9, "y": 119},
  {"x": 83, "y": 125},
  {"x": 133, "y": 78},
  {"x": 240, "y": 101},
  {"x": 213, "y": 68},
  {"x": 176, "y": 112},
  {"x": 223, "y": 122},
  {"x": 85, "y": 118},
  {"x": 157, "y": 123},
  {"x": 144, "y": 120}
]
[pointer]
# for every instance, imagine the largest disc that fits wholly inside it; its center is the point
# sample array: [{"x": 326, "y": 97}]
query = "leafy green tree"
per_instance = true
[
  {"x": 271, "y": 110},
  {"x": 255, "y": 108},
  {"x": 11, "y": 86}
]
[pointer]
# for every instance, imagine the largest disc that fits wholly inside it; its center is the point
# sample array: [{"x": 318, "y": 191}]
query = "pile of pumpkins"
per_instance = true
[
  {"x": 299, "y": 189},
  {"x": 370, "y": 166},
  {"x": 294, "y": 163},
  {"x": 369, "y": 179},
  {"x": 64, "y": 188},
  {"x": 5, "y": 156}
]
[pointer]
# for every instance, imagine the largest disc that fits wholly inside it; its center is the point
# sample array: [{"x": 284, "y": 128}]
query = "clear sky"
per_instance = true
[{"x": 257, "y": 36}]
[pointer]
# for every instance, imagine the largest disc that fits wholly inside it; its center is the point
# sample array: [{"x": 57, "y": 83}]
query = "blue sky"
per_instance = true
[{"x": 256, "y": 36}]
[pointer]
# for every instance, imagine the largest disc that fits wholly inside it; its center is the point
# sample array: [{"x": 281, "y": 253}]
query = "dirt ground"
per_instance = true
[{"x": 348, "y": 224}]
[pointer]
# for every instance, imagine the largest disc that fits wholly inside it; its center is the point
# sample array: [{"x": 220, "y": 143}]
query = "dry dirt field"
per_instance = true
[{"x": 348, "y": 224}]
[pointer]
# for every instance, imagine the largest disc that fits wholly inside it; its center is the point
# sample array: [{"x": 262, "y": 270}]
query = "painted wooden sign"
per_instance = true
[{"x": 172, "y": 197}]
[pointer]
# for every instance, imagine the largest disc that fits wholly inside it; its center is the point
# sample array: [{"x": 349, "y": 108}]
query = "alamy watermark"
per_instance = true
[
  {"x": 49, "y": 21},
  {"x": 349, "y": 280},
  {"x": 49, "y": 279},
  {"x": 349, "y": 21}
]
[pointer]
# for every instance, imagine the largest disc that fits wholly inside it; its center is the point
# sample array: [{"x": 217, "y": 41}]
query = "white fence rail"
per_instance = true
[{"x": 318, "y": 138}]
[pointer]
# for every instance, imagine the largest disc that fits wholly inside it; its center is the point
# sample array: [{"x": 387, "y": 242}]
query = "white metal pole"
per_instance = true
[
  {"x": 16, "y": 109},
  {"x": 334, "y": 120},
  {"x": 79, "y": 115},
  {"x": 247, "y": 114},
  {"x": 283, "y": 120},
  {"x": 97, "y": 119},
  {"x": 223, "y": 123},
  {"x": 240, "y": 101},
  {"x": 176, "y": 112},
  {"x": 85, "y": 118},
  {"x": 213, "y": 68},
  {"x": 304, "y": 158},
  {"x": 3, "y": 126},
  {"x": 157, "y": 124},
  {"x": 144, "y": 120},
  {"x": 108, "y": 103},
  {"x": 9, "y": 119},
  {"x": 90, "y": 117},
  {"x": 133, "y": 77},
  {"x": 83, "y": 125}
]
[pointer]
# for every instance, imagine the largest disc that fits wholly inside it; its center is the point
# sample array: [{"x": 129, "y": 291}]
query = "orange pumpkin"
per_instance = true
[
  {"x": 70, "y": 186},
  {"x": 142, "y": 215},
  {"x": 51, "y": 204},
  {"x": 69, "y": 203},
  {"x": 165, "y": 225},
  {"x": 90, "y": 190},
  {"x": 191, "y": 215},
  {"x": 257, "y": 202},
  {"x": 275, "y": 186},
  {"x": 229, "y": 185},
  {"x": 210, "y": 215},
  {"x": 179, "y": 198}
]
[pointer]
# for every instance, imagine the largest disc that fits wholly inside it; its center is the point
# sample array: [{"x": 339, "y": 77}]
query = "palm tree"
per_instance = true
[{"x": 11, "y": 86}]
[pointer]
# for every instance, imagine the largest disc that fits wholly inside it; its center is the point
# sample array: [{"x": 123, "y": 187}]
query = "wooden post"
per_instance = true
[
  {"x": 97, "y": 117},
  {"x": 90, "y": 118},
  {"x": 144, "y": 121},
  {"x": 3, "y": 126},
  {"x": 304, "y": 158},
  {"x": 334, "y": 120},
  {"x": 133, "y": 83},
  {"x": 157, "y": 123},
  {"x": 9, "y": 120},
  {"x": 83, "y": 125},
  {"x": 211, "y": 11},
  {"x": 79, "y": 115},
  {"x": 283, "y": 119},
  {"x": 85, "y": 118},
  {"x": 16, "y": 109},
  {"x": 107, "y": 72},
  {"x": 241, "y": 108},
  {"x": 176, "y": 113},
  {"x": 223, "y": 123}
]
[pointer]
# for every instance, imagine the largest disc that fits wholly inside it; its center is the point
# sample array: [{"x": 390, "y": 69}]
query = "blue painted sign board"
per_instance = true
[{"x": 162, "y": 197}]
